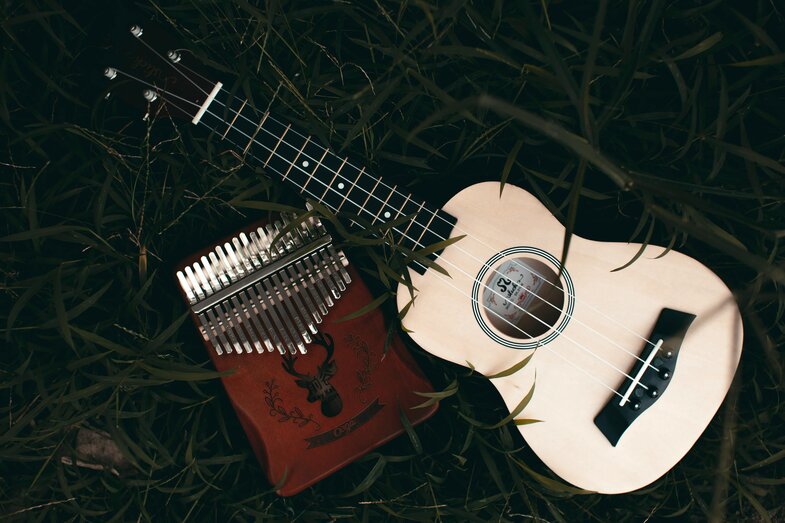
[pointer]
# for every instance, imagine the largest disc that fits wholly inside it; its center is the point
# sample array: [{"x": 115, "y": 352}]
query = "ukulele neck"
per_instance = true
[{"x": 321, "y": 175}]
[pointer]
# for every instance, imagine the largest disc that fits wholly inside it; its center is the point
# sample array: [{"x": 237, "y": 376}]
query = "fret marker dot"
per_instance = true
[
  {"x": 341, "y": 185},
  {"x": 386, "y": 214},
  {"x": 305, "y": 163}
]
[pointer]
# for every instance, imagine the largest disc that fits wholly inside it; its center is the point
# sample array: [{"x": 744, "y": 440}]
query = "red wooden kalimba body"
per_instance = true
[{"x": 307, "y": 415}]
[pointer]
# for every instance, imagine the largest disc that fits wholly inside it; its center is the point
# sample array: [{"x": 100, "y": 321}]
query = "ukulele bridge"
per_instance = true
[{"x": 649, "y": 377}]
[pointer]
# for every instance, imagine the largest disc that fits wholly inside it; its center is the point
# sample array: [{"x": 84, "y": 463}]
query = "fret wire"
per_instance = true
[
  {"x": 296, "y": 157},
  {"x": 383, "y": 204},
  {"x": 362, "y": 207},
  {"x": 410, "y": 223},
  {"x": 277, "y": 144},
  {"x": 235, "y": 118},
  {"x": 258, "y": 127},
  {"x": 423, "y": 231},
  {"x": 318, "y": 163},
  {"x": 403, "y": 206},
  {"x": 345, "y": 196},
  {"x": 327, "y": 187}
]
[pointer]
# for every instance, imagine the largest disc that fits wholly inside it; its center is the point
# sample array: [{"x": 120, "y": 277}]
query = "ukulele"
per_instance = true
[{"x": 629, "y": 366}]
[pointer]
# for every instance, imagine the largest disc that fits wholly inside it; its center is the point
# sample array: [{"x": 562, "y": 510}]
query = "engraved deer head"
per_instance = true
[{"x": 319, "y": 387}]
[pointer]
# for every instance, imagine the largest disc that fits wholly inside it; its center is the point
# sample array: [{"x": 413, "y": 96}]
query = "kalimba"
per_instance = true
[
  {"x": 270, "y": 286},
  {"x": 330, "y": 391}
]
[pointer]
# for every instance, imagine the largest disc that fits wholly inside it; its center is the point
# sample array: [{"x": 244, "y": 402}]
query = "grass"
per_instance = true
[{"x": 651, "y": 121}]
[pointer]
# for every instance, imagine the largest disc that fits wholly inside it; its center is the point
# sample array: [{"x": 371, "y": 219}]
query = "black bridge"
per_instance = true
[{"x": 649, "y": 377}]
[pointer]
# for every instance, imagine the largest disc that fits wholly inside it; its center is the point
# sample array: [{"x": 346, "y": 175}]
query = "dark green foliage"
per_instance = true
[{"x": 655, "y": 121}]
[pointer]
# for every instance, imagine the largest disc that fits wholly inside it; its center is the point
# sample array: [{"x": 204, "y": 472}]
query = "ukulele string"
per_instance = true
[
  {"x": 434, "y": 214},
  {"x": 447, "y": 282},
  {"x": 177, "y": 65},
  {"x": 172, "y": 64},
  {"x": 338, "y": 175},
  {"x": 582, "y": 347}
]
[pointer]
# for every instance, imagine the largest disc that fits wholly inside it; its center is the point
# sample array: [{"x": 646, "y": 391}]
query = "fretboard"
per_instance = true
[{"x": 319, "y": 174}]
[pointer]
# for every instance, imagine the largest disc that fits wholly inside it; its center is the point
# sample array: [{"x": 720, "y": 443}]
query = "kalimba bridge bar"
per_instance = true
[{"x": 267, "y": 289}]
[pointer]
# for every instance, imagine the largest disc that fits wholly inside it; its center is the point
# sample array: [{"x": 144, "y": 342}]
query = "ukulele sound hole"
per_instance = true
[{"x": 523, "y": 298}]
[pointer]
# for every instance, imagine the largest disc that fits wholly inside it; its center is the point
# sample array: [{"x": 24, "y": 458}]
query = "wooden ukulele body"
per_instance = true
[{"x": 599, "y": 332}]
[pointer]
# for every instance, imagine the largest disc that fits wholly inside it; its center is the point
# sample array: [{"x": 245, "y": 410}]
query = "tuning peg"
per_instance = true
[
  {"x": 149, "y": 95},
  {"x": 174, "y": 56},
  {"x": 136, "y": 31},
  {"x": 110, "y": 72}
]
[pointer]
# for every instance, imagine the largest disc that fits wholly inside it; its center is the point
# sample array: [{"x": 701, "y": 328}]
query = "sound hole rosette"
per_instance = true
[{"x": 483, "y": 316}]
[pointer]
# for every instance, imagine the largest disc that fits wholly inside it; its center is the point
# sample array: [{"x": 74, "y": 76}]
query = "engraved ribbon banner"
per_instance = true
[{"x": 346, "y": 427}]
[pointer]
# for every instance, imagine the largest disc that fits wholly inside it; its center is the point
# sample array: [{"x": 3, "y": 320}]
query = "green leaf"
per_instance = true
[
  {"x": 702, "y": 47},
  {"x": 365, "y": 309},
  {"x": 511, "y": 370},
  {"x": 370, "y": 479}
]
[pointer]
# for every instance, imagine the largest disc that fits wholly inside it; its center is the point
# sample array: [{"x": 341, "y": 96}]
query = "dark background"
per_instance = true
[{"x": 683, "y": 100}]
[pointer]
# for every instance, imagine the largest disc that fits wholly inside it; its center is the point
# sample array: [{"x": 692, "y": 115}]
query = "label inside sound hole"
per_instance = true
[
  {"x": 518, "y": 300},
  {"x": 513, "y": 286}
]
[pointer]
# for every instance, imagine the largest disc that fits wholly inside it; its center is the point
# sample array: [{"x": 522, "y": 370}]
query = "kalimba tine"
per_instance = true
[{"x": 270, "y": 287}]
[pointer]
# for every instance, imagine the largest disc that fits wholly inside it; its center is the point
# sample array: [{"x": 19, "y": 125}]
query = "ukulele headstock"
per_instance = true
[{"x": 154, "y": 74}]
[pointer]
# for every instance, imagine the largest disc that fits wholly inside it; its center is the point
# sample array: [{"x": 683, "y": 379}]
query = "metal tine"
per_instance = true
[
  {"x": 325, "y": 274},
  {"x": 267, "y": 236},
  {"x": 219, "y": 270},
  {"x": 305, "y": 234},
  {"x": 259, "y": 295},
  {"x": 308, "y": 292},
  {"x": 227, "y": 265},
  {"x": 202, "y": 278},
  {"x": 235, "y": 316},
  {"x": 264, "y": 240},
  {"x": 231, "y": 342},
  {"x": 247, "y": 253},
  {"x": 242, "y": 323},
  {"x": 317, "y": 275},
  {"x": 329, "y": 265},
  {"x": 186, "y": 287},
  {"x": 277, "y": 248},
  {"x": 338, "y": 263},
  {"x": 216, "y": 324},
  {"x": 207, "y": 267},
  {"x": 316, "y": 296},
  {"x": 287, "y": 342},
  {"x": 260, "y": 248},
  {"x": 293, "y": 303},
  {"x": 226, "y": 316},
  {"x": 286, "y": 240},
  {"x": 314, "y": 227},
  {"x": 194, "y": 284},
  {"x": 292, "y": 333},
  {"x": 255, "y": 309},
  {"x": 209, "y": 334},
  {"x": 242, "y": 256},
  {"x": 291, "y": 284},
  {"x": 237, "y": 265},
  {"x": 251, "y": 251},
  {"x": 224, "y": 309}
]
